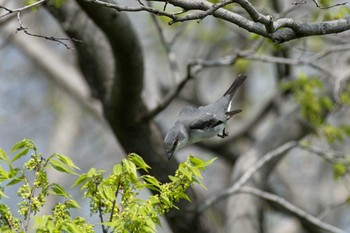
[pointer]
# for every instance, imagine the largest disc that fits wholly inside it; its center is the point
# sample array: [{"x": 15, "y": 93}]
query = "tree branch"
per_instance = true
[
  {"x": 330, "y": 6},
  {"x": 292, "y": 208},
  {"x": 123, "y": 105},
  {"x": 17, "y": 10},
  {"x": 246, "y": 176},
  {"x": 167, "y": 99},
  {"x": 280, "y": 30}
]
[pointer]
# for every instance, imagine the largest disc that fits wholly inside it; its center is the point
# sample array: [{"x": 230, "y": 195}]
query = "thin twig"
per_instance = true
[
  {"x": 11, "y": 11},
  {"x": 115, "y": 200},
  {"x": 330, "y": 6},
  {"x": 173, "y": 64},
  {"x": 292, "y": 208},
  {"x": 104, "y": 230},
  {"x": 330, "y": 156},
  {"x": 167, "y": 99},
  {"x": 326, "y": 211},
  {"x": 246, "y": 176},
  {"x": 134, "y": 9},
  {"x": 51, "y": 38}
]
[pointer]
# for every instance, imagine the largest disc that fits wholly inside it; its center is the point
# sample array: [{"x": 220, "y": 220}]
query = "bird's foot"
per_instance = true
[{"x": 223, "y": 135}]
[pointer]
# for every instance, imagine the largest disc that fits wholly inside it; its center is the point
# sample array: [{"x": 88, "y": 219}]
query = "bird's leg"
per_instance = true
[{"x": 224, "y": 134}]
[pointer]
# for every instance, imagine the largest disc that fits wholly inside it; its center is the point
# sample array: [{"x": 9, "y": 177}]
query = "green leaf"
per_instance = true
[
  {"x": 2, "y": 194},
  {"x": 153, "y": 182},
  {"x": 72, "y": 204},
  {"x": 42, "y": 221},
  {"x": 67, "y": 161},
  {"x": 130, "y": 168},
  {"x": 60, "y": 167},
  {"x": 117, "y": 170},
  {"x": 3, "y": 155},
  {"x": 106, "y": 192},
  {"x": 185, "y": 171},
  {"x": 4, "y": 175},
  {"x": 138, "y": 161},
  {"x": 18, "y": 145},
  {"x": 69, "y": 227},
  {"x": 58, "y": 190},
  {"x": 20, "y": 154},
  {"x": 195, "y": 171},
  {"x": 15, "y": 180},
  {"x": 174, "y": 178},
  {"x": 207, "y": 163},
  {"x": 339, "y": 170},
  {"x": 82, "y": 178},
  {"x": 22, "y": 144}
]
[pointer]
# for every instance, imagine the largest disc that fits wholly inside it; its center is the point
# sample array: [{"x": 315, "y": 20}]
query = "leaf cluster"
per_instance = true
[
  {"x": 34, "y": 188},
  {"x": 115, "y": 197},
  {"x": 309, "y": 93}
]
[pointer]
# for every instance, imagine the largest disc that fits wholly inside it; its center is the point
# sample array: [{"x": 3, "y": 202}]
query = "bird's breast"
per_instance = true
[{"x": 198, "y": 135}]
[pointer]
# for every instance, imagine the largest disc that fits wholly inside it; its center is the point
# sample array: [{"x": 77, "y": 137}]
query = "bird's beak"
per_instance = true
[{"x": 170, "y": 154}]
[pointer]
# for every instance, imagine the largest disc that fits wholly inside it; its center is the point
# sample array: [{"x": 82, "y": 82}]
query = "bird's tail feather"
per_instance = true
[{"x": 236, "y": 84}]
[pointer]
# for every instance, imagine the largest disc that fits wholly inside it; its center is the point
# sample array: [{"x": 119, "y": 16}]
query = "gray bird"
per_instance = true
[{"x": 197, "y": 124}]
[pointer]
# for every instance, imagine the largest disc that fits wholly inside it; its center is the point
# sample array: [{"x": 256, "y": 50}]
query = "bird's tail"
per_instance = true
[{"x": 235, "y": 85}]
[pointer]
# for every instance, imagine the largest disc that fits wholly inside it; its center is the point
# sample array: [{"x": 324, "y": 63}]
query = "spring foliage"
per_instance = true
[{"x": 115, "y": 198}]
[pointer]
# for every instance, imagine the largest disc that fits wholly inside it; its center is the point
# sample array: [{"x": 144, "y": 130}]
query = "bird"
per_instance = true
[{"x": 195, "y": 124}]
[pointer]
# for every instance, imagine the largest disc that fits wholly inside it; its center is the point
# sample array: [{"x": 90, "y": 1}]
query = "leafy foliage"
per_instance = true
[
  {"x": 309, "y": 93},
  {"x": 115, "y": 197}
]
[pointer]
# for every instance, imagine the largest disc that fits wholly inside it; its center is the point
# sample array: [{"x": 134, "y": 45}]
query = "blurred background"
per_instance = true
[{"x": 45, "y": 98}]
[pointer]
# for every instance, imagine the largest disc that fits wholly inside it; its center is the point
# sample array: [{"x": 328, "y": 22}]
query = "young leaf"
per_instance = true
[
  {"x": 42, "y": 221},
  {"x": 72, "y": 204},
  {"x": 117, "y": 170},
  {"x": 138, "y": 161},
  {"x": 82, "y": 178},
  {"x": 106, "y": 192},
  {"x": 58, "y": 190},
  {"x": 60, "y": 167},
  {"x": 67, "y": 161},
  {"x": 185, "y": 171},
  {"x": 130, "y": 168},
  {"x": 198, "y": 163},
  {"x": 15, "y": 180},
  {"x": 3, "y": 155},
  {"x": 20, "y": 154},
  {"x": 18, "y": 145},
  {"x": 25, "y": 143},
  {"x": 4, "y": 175},
  {"x": 2, "y": 194},
  {"x": 154, "y": 183}
]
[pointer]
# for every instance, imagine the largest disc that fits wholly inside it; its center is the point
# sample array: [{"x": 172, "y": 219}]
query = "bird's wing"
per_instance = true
[{"x": 205, "y": 121}]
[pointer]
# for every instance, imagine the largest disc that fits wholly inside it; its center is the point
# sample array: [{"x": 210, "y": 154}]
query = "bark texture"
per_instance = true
[{"x": 111, "y": 60}]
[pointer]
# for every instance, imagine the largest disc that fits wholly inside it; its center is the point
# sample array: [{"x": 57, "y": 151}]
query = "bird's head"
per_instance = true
[{"x": 175, "y": 139}]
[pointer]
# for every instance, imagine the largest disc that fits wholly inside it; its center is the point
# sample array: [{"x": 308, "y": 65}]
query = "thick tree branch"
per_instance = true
[
  {"x": 120, "y": 92},
  {"x": 94, "y": 54},
  {"x": 280, "y": 30}
]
